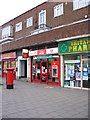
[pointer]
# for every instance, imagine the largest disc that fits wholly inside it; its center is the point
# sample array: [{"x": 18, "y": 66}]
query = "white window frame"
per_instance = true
[
  {"x": 29, "y": 22},
  {"x": 7, "y": 31},
  {"x": 76, "y": 4},
  {"x": 44, "y": 17},
  {"x": 58, "y": 10},
  {"x": 18, "y": 27}
]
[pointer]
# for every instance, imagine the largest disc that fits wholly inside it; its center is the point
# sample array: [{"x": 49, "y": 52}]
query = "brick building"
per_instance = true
[{"x": 49, "y": 44}]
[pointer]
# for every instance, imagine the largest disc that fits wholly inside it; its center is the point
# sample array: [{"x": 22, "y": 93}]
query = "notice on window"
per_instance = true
[
  {"x": 85, "y": 75},
  {"x": 78, "y": 75}
]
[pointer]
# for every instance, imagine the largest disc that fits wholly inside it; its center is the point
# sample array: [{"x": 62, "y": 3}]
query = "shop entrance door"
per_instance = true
[{"x": 44, "y": 71}]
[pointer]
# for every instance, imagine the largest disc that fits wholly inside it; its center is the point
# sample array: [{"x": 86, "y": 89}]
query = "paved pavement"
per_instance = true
[
  {"x": 30, "y": 100},
  {"x": 0, "y": 98}
]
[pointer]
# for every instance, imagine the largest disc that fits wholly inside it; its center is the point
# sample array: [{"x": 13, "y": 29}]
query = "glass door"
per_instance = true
[
  {"x": 44, "y": 73},
  {"x": 36, "y": 70},
  {"x": 86, "y": 73}
]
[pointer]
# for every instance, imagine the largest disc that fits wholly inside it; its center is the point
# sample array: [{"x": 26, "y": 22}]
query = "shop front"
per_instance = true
[
  {"x": 8, "y": 61},
  {"x": 45, "y": 66},
  {"x": 75, "y": 63}
]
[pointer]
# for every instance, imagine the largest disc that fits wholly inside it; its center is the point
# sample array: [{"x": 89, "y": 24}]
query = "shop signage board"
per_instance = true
[
  {"x": 25, "y": 53},
  {"x": 52, "y": 51},
  {"x": 44, "y": 52},
  {"x": 8, "y": 55},
  {"x": 74, "y": 46}
]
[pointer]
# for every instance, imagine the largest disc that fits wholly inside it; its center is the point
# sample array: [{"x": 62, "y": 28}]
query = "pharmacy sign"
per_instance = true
[{"x": 74, "y": 46}]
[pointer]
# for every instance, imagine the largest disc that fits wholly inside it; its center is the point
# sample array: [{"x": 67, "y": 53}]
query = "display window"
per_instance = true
[
  {"x": 36, "y": 69},
  {"x": 8, "y": 64},
  {"x": 4, "y": 66},
  {"x": 13, "y": 65},
  {"x": 42, "y": 69},
  {"x": 72, "y": 71},
  {"x": 86, "y": 71}
]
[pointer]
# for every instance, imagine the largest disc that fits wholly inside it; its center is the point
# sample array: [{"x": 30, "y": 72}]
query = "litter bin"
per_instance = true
[{"x": 9, "y": 78}]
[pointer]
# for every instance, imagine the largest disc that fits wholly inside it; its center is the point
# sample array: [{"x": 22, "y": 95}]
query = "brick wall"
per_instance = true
[
  {"x": 69, "y": 16},
  {"x": 50, "y": 36}
]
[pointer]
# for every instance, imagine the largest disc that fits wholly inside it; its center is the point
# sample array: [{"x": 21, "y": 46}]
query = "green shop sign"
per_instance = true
[{"x": 74, "y": 46}]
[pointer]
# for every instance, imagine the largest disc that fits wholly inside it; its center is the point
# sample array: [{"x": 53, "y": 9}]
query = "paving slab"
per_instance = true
[{"x": 31, "y": 100}]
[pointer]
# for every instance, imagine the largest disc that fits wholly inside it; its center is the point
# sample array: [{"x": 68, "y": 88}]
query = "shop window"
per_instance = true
[
  {"x": 86, "y": 72},
  {"x": 41, "y": 69},
  {"x": 36, "y": 69},
  {"x": 13, "y": 65},
  {"x": 44, "y": 71},
  {"x": 4, "y": 66},
  {"x": 58, "y": 10},
  {"x": 72, "y": 72}
]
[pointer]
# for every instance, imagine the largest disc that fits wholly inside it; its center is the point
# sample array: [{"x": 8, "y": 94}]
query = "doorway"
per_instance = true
[
  {"x": 23, "y": 68},
  {"x": 44, "y": 69}
]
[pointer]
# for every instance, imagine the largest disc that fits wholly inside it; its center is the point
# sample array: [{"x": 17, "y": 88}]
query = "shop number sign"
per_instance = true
[{"x": 80, "y": 45}]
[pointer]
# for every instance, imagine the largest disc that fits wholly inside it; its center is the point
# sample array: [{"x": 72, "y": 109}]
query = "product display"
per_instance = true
[{"x": 72, "y": 73}]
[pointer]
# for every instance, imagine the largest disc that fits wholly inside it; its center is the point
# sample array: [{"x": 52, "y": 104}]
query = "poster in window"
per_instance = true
[
  {"x": 78, "y": 75},
  {"x": 67, "y": 72},
  {"x": 85, "y": 75}
]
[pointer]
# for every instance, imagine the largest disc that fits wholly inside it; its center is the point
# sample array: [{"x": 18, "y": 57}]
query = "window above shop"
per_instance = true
[
  {"x": 42, "y": 19},
  {"x": 7, "y": 31},
  {"x": 58, "y": 10},
  {"x": 77, "y": 4},
  {"x": 18, "y": 27},
  {"x": 29, "y": 22}
]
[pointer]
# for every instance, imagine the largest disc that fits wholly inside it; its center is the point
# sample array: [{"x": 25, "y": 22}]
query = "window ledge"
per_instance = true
[
  {"x": 6, "y": 40},
  {"x": 40, "y": 30}
]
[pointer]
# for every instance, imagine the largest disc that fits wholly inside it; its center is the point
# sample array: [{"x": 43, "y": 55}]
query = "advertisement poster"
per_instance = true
[
  {"x": 85, "y": 75},
  {"x": 69, "y": 71},
  {"x": 78, "y": 75}
]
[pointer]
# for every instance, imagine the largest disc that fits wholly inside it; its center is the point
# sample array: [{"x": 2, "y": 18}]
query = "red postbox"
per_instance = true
[{"x": 9, "y": 78}]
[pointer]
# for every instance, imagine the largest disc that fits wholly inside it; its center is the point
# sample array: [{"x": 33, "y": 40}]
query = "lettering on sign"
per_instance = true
[
  {"x": 9, "y": 55},
  {"x": 80, "y": 45},
  {"x": 41, "y": 52}
]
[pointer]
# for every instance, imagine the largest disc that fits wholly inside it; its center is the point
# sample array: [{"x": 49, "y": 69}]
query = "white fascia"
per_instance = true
[{"x": 74, "y": 37}]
